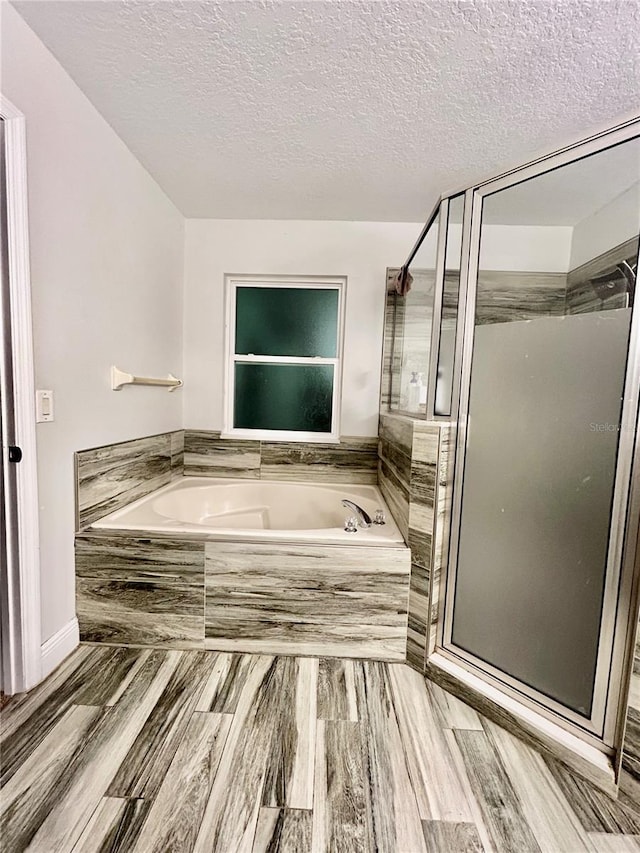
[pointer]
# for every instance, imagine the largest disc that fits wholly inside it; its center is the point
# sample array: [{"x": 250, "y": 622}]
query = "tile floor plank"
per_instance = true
[
  {"x": 394, "y": 821},
  {"x": 552, "y": 821},
  {"x": 445, "y": 837},
  {"x": 234, "y": 753},
  {"x": 24, "y": 705},
  {"x": 450, "y": 711},
  {"x": 289, "y": 779},
  {"x": 30, "y": 725},
  {"x": 94, "y": 765},
  {"x": 283, "y": 831},
  {"x": 496, "y": 797},
  {"x": 339, "y": 816},
  {"x": 186, "y": 786},
  {"x": 35, "y": 788},
  {"x": 113, "y": 827},
  {"x": 603, "y": 842},
  {"x": 595, "y": 811},
  {"x": 231, "y": 814},
  {"x": 439, "y": 791},
  {"x": 337, "y": 690},
  {"x": 143, "y": 770}
]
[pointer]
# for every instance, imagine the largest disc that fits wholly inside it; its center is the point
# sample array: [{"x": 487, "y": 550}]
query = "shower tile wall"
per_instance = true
[
  {"x": 353, "y": 460},
  {"x": 581, "y": 296},
  {"x": 411, "y": 461},
  {"x": 505, "y": 296},
  {"x": 109, "y": 477}
]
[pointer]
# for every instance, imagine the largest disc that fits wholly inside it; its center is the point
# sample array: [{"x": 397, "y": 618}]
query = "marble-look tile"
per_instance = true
[
  {"x": 114, "y": 826},
  {"x": 337, "y": 690},
  {"x": 396, "y": 827},
  {"x": 505, "y": 296},
  {"x": 396, "y": 458},
  {"x": 122, "y": 557},
  {"x": 595, "y": 810},
  {"x": 225, "y": 684},
  {"x": 177, "y": 453},
  {"x": 135, "y": 591},
  {"x": 306, "y": 599},
  {"x": 397, "y": 430},
  {"x": 186, "y": 786},
  {"x": 110, "y": 477},
  {"x": 581, "y": 297},
  {"x": 72, "y": 788},
  {"x": 282, "y": 831},
  {"x": 232, "y": 810},
  {"x": 499, "y": 803},
  {"x": 290, "y": 767},
  {"x": 519, "y": 727},
  {"x": 438, "y": 789},
  {"x": 208, "y": 455},
  {"x": 451, "y": 713},
  {"x": 396, "y": 494},
  {"x": 441, "y": 524},
  {"x": 354, "y": 460},
  {"x": 23, "y": 732},
  {"x": 552, "y": 821},
  {"x": 631, "y": 746},
  {"x": 418, "y": 617},
  {"x": 339, "y": 808},
  {"x": 23, "y": 706},
  {"x": 30, "y": 794},
  {"x": 603, "y": 843},
  {"x": 144, "y": 767},
  {"x": 445, "y": 837}
]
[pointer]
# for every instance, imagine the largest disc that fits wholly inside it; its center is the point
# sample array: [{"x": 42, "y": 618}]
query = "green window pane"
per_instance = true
[
  {"x": 283, "y": 396},
  {"x": 293, "y": 321}
]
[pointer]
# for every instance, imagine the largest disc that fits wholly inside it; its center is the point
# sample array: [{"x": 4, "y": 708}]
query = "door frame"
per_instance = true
[
  {"x": 21, "y": 637},
  {"x": 618, "y": 618}
]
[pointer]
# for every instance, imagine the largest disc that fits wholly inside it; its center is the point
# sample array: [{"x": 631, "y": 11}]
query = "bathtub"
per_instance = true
[{"x": 255, "y": 511}]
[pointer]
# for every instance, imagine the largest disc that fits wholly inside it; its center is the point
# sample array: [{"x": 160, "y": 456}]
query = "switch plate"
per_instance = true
[{"x": 44, "y": 406}]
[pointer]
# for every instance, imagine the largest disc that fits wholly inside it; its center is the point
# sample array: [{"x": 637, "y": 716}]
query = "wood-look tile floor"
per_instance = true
[{"x": 138, "y": 750}]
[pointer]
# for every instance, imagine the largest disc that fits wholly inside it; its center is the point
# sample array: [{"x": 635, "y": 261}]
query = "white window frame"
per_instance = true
[{"x": 232, "y": 283}]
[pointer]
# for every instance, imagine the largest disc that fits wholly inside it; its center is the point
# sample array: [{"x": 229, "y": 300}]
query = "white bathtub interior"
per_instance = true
[{"x": 257, "y": 509}]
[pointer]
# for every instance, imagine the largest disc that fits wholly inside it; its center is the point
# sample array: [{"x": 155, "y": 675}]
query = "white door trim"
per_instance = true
[{"x": 23, "y": 662}]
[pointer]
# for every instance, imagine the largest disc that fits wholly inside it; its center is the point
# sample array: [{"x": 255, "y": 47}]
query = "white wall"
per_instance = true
[
  {"x": 613, "y": 224},
  {"x": 359, "y": 250},
  {"x": 106, "y": 266}
]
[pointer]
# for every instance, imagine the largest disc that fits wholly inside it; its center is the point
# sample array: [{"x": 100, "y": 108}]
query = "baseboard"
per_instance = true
[{"x": 56, "y": 648}]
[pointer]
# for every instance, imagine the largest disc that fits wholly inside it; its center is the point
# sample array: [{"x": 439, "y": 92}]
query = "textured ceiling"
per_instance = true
[{"x": 342, "y": 110}]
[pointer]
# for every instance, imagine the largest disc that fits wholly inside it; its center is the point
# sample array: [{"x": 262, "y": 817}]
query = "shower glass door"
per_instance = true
[{"x": 533, "y": 576}]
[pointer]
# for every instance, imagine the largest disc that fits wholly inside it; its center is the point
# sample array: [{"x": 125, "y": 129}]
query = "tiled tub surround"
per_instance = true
[
  {"x": 233, "y": 596},
  {"x": 413, "y": 478},
  {"x": 112, "y": 476},
  {"x": 353, "y": 460}
]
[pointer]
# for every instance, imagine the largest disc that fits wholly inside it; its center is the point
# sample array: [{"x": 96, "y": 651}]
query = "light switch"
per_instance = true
[{"x": 44, "y": 406}]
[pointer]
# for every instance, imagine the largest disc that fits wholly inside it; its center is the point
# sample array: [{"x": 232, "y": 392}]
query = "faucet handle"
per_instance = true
[
  {"x": 351, "y": 524},
  {"x": 380, "y": 517}
]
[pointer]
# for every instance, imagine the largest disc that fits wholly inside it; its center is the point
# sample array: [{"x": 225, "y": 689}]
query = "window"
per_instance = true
[{"x": 284, "y": 349}]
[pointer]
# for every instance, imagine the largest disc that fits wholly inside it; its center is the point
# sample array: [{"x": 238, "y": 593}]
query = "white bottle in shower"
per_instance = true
[{"x": 423, "y": 390}]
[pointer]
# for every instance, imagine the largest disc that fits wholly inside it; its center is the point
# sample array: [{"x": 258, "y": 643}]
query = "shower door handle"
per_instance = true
[{"x": 15, "y": 453}]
